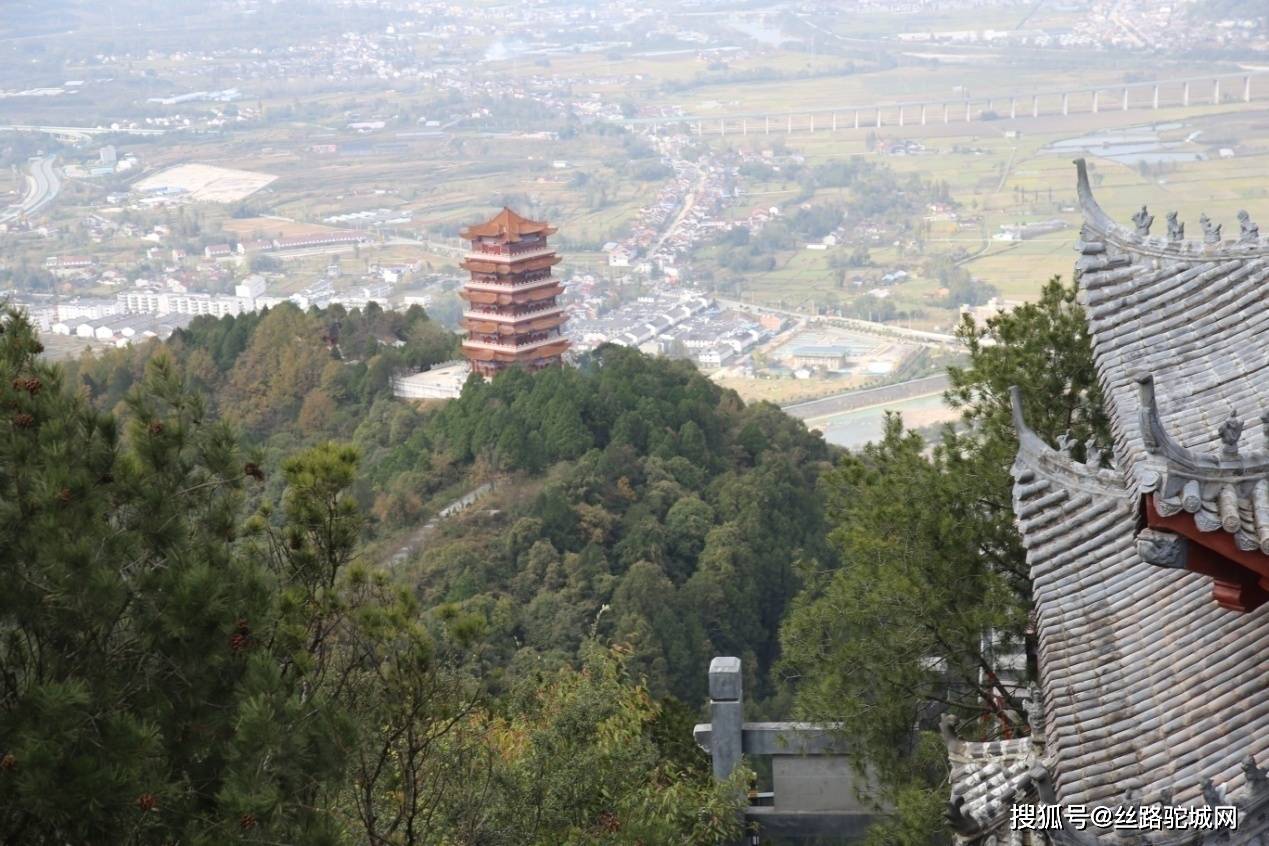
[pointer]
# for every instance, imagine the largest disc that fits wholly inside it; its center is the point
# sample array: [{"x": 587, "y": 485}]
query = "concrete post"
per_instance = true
[
  {"x": 967, "y": 107},
  {"x": 879, "y": 117},
  {"x": 812, "y": 123},
  {"x": 857, "y": 120},
  {"x": 744, "y": 126},
  {"x": 1185, "y": 94},
  {"x": 1246, "y": 89},
  {"x": 699, "y": 129},
  {"x": 722, "y": 126},
  {"x": 1216, "y": 91},
  {"x": 1156, "y": 97},
  {"x": 1035, "y": 106},
  {"x": 901, "y": 114},
  {"x": 788, "y": 126},
  {"x": 1095, "y": 99},
  {"x": 1125, "y": 99},
  {"x": 834, "y": 121},
  {"x": 1066, "y": 104},
  {"x": 766, "y": 121},
  {"x": 726, "y": 720},
  {"x": 946, "y": 110},
  {"x": 923, "y": 114},
  {"x": 1013, "y": 107}
]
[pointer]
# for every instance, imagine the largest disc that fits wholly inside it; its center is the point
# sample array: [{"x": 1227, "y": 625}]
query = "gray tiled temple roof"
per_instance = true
[
  {"x": 1186, "y": 323},
  {"x": 1152, "y": 691},
  {"x": 1150, "y": 688},
  {"x": 988, "y": 778}
]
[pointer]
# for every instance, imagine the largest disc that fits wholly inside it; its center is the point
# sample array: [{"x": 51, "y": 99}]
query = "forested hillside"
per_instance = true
[
  {"x": 230, "y": 611},
  {"x": 649, "y": 490},
  {"x": 196, "y": 651},
  {"x": 628, "y": 482}
]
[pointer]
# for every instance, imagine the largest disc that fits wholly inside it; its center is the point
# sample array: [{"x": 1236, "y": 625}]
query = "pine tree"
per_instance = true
[{"x": 146, "y": 690}]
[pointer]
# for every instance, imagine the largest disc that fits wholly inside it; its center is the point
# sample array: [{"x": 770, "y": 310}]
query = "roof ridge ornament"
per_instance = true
[
  {"x": 1249, "y": 232},
  {"x": 1097, "y": 462},
  {"x": 1230, "y": 432},
  {"x": 1256, "y": 777},
  {"x": 1093, "y": 212},
  {"x": 1143, "y": 219},
  {"x": 1092, "y": 453},
  {"x": 1211, "y": 231},
  {"x": 1226, "y": 464},
  {"x": 1176, "y": 229},
  {"x": 1212, "y": 794}
]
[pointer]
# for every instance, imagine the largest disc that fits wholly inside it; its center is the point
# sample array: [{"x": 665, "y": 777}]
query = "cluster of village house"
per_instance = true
[{"x": 146, "y": 308}]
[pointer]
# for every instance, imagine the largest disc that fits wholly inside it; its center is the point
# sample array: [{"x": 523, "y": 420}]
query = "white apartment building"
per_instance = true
[
  {"x": 142, "y": 301},
  {"x": 92, "y": 309}
]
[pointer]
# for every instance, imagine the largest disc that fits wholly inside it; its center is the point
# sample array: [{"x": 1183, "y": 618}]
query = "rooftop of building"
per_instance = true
[
  {"x": 1151, "y": 666},
  {"x": 509, "y": 225}
]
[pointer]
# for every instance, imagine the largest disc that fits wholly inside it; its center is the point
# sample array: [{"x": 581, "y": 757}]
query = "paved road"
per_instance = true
[
  {"x": 914, "y": 335},
  {"x": 688, "y": 202},
  {"x": 82, "y": 131},
  {"x": 42, "y": 183}
]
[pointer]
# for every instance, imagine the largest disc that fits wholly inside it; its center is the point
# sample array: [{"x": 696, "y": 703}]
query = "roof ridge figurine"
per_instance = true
[
  {"x": 1249, "y": 232},
  {"x": 1231, "y": 432},
  {"x": 1211, "y": 231},
  {"x": 1176, "y": 229},
  {"x": 1143, "y": 219}
]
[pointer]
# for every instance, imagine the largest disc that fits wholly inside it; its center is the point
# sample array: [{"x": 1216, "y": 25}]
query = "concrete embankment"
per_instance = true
[{"x": 868, "y": 397}]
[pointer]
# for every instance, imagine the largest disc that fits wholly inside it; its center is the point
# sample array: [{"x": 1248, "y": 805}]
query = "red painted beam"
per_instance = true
[{"x": 1240, "y": 577}]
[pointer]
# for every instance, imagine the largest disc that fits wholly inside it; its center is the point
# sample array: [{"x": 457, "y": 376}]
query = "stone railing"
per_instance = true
[{"x": 815, "y": 791}]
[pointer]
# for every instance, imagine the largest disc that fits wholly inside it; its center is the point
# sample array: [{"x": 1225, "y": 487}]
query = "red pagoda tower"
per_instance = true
[{"x": 512, "y": 316}]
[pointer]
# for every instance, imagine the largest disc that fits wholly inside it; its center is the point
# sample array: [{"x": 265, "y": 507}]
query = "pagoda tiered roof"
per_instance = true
[
  {"x": 539, "y": 261},
  {"x": 1153, "y": 653},
  {"x": 507, "y": 225}
]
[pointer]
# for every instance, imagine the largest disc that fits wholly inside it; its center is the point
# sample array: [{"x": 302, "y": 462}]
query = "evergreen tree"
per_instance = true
[
  {"x": 932, "y": 569},
  {"x": 145, "y": 690}
]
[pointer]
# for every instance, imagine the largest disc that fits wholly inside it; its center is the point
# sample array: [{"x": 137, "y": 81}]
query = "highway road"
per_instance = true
[
  {"x": 917, "y": 336},
  {"x": 79, "y": 131},
  {"x": 42, "y": 185}
]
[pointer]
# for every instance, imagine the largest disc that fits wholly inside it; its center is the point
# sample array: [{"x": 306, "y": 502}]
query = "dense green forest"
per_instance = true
[
  {"x": 194, "y": 650},
  {"x": 229, "y": 613},
  {"x": 628, "y": 482}
]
